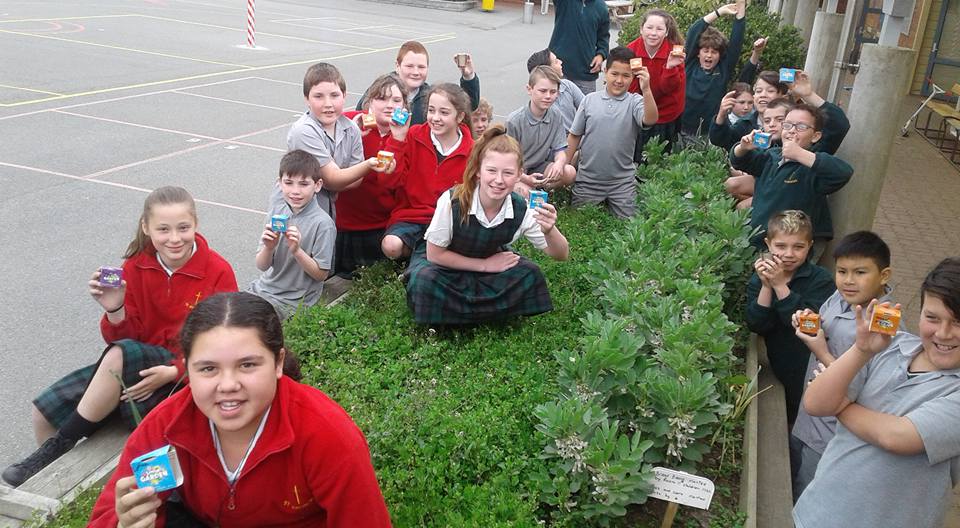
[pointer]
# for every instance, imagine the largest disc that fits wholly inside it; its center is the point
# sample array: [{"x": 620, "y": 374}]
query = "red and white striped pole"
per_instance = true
[{"x": 251, "y": 24}]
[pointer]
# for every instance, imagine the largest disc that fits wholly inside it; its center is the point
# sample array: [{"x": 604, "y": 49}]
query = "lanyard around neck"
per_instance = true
[{"x": 233, "y": 475}]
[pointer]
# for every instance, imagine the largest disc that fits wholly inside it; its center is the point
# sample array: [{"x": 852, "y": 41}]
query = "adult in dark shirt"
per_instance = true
[{"x": 581, "y": 39}]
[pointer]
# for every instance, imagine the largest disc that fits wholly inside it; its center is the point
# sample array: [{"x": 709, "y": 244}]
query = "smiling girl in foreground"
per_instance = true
[
  {"x": 169, "y": 268},
  {"x": 468, "y": 273},
  {"x": 255, "y": 447}
]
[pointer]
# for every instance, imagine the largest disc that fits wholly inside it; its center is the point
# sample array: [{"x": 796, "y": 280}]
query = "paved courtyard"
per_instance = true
[{"x": 101, "y": 102}]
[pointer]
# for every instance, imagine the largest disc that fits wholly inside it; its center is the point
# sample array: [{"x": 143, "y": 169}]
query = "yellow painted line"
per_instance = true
[
  {"x": 28, "y": 89},
  {"x": 65, "y": 18},
  {"x": 259, "y": 33},
  {"x": 213, "y": 74},
  {"x": 122, "y": 48}
]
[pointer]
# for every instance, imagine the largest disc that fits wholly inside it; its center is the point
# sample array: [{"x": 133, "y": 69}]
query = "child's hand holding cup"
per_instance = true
[{"x": 107, "y": 291}]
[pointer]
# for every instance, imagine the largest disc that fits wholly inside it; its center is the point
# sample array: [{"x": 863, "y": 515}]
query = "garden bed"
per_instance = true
[{"x": 637, "y": 361}]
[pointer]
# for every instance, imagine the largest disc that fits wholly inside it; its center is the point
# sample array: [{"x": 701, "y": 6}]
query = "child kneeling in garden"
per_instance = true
[
  {"x": 254, "y": 446},
  {"x": 467, "y": 273}
]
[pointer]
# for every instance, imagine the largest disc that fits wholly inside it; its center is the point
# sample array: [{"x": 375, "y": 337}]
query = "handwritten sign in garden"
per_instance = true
[{"x": 683, "y": 488}]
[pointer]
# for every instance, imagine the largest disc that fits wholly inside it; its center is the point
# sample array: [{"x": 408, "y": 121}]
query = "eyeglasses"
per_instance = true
[{"x": 801, "y": 127}]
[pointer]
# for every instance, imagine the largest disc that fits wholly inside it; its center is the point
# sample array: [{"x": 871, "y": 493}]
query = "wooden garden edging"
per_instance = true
[{"x": 92, "y": 461}]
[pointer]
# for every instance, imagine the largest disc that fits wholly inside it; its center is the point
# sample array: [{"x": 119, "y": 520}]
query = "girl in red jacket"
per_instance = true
[
  {"x": 255, "y": 447},
  {"x": 363, "y": 212},
  {"x": 430, "y": 158},
  {"x": 168, "y": 269},
  {"x": 655, "y": 46}
]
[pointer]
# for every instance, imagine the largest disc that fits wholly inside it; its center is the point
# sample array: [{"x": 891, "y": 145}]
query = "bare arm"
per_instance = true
[
  {"x": 337, "y": 179},
  {"x": 450, "y": 259},
  {"x": 310, "y": 266}
]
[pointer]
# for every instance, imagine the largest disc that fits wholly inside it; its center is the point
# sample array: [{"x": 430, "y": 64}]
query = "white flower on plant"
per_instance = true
[
  {"x": 680, "y": 434},
  {"x": 687, "y": 314},
  {"x": 601, "y": 490},
  {"x": 584, "y": 393},
  {"x": 572, "y": 448}
]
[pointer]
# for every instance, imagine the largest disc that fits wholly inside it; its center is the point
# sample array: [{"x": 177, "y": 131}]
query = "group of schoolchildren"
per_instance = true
[{"x": 872, "y": 417}]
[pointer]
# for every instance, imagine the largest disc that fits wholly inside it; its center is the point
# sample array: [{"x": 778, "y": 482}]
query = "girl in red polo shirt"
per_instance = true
[
  {"x": 168, "y": 269},
  {"x": 430, "y": 158},
  {"x": 255, "y": 447},
  {"x": 363, "y": 212},
  {"x": 655, "y": 46}
]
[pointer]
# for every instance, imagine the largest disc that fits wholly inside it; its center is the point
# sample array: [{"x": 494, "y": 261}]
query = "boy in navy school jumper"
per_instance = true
[
  {"x": 294, "y": 263},
  {"x": 709, "y": 66},
  {"x": 792, "y": 176},
  {"x": 784, "y": 282},
  {"x": 862, "y": 274},
  {"x": 835, "y": 123},
  {"x": 896, "y": 453}
]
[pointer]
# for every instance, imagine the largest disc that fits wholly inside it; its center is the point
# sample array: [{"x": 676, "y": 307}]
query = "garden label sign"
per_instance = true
[{"x": 677, "y": 487}]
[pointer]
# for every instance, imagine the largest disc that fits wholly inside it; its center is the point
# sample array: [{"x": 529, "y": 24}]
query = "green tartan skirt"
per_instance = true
[
  {"x": 357, "y": 248},
  {"x": 58, "y": 401},
  {"x": 438, "y": 295}
]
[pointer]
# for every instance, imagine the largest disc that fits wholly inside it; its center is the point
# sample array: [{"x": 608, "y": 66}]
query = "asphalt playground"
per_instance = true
[{"x": 102, "y": 101}]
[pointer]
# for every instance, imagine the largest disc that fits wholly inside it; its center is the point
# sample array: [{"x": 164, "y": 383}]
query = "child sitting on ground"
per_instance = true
[
  {"x": 168, "y": 269},
  {"x": 365, "y": 210},
  {"x": 606, "y": 127},
  {"x": 570, "y": 96},
  {"x": 295, "y": 258},
  {"x": 255, "y": 447},
  {"x": 327, "y": 134},
  {"x": 792, "y": 176},
  {"x": 430, "y": 158},
  {"x": 862, "y": 273},
  {"x": 467, "y": 273},
  {"x": 896, "y": 453},
  {"x": 784, "y": 282},
  {"x": 481, "y": 118},
  {"x": 538, "y": 127},
  {"x": 710, "y": 63}
]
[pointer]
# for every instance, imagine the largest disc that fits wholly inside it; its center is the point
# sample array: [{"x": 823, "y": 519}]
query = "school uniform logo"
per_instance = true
[
  {"x": 196, "y": 301},
  {"x": 298, "y": 500}
]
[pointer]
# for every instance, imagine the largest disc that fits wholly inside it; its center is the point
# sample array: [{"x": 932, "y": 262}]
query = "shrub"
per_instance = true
[
  {"x": 650, "y": 380},
  {"x": 785, "y": 47}
]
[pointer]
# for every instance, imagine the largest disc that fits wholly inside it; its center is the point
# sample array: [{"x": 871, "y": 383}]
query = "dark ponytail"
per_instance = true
[{"x": 239, "y": 310}]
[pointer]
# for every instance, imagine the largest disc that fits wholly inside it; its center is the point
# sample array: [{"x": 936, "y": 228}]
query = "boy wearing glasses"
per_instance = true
[{"x": 792, "y": 176}]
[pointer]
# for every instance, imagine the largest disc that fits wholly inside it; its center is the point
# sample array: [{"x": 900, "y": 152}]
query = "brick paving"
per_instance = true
[{"x": 917, "y": 213}]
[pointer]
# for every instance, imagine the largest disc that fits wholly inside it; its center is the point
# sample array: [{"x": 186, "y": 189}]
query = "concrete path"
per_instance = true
[{"x": 100, "y": 102}]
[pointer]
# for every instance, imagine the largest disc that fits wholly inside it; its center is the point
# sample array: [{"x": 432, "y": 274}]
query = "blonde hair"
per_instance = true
[
  {"x": 543, "y": 72},
  {"x": 494, "y": 139},
  {"x": 790, "y": 222},
  {"x": 484, "y": 108},
  {"x": 162, "y": 196}
]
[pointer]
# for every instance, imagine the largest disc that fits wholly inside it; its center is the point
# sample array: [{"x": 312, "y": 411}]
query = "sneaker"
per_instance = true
[{"x": 51, "y": 450}]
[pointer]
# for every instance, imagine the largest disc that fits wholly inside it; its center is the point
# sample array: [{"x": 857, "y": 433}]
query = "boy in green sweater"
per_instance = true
[
  {"x": 783, "y": 283},
  {"x": 792, "y": 176}
]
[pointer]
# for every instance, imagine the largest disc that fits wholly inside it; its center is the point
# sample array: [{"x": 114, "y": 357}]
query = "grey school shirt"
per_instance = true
[
  {"x": 839, "y": 323},
  {"x": 540, "y": 138},
  {"x": 568, "y": 101},
  {"x": 860, "y": 485},
  {"x": 609, "y": 126},
  {"x": 285, "y": 284},
  {"x": 345, "y": 149}
]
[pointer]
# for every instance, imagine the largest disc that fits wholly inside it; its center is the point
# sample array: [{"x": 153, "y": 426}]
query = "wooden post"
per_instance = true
[{"x": 669, "y": 515}]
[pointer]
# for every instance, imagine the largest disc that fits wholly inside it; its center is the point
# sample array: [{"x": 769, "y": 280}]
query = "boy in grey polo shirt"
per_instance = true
[
  {"x": 570, "y": 96},
  {"x": 332, "y": 138},
  {"x": 295, "y": 260},
  {"x": 861, "y": 274},
  {"x": 606, "y": 127},
  {"x": 538, "y": 127},
  {"x": 896, "y": 454}
]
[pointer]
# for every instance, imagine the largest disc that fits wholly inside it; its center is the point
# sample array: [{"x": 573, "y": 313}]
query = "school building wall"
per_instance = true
[{"x": 923, "y": 25}]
